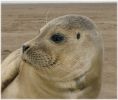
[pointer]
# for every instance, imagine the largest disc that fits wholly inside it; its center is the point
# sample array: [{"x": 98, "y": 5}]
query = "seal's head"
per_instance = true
[{"x": 65, "y": 45}]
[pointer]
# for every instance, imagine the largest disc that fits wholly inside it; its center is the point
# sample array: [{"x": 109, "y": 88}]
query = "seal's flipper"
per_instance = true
[{"x": 10, "y": 68}]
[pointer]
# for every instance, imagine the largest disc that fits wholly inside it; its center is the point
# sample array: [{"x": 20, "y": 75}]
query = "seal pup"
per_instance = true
[{"x": 63, "y": 61}]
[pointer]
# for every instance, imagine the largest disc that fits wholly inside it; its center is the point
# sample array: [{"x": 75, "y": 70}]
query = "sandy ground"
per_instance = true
[{"x": 23, "y": 22}]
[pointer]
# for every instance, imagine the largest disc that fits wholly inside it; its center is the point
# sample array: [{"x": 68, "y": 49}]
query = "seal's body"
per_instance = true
[{"x": 64, "y": 61}]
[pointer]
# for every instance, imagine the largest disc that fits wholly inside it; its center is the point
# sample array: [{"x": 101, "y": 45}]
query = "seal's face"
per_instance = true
[{"x": 61, "y": 44}]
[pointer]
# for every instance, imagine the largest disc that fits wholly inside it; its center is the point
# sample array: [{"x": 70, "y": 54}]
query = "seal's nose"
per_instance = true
[{"x": 25, "y": 47}]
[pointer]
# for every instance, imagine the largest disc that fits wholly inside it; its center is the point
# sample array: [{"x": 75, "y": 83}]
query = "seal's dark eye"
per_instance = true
[
  {"x": 78, "y": 35},
  {"x": 57, "y": 38}
]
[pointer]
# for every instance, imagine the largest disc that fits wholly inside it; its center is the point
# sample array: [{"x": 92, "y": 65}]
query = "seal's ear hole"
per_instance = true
[{"x": 78, "y": 35}]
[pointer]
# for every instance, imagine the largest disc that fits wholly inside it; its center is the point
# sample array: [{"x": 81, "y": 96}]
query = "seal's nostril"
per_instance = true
[{"x": 25, "y": 47}]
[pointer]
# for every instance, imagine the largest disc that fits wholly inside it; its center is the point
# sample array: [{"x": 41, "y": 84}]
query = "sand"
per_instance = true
[{"x": 21, "y": 23}]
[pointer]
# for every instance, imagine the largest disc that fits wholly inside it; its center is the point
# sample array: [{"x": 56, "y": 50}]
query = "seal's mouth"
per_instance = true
[
  {"x": 48, "y": 66},
  {"x": 39, "y": 59}
]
